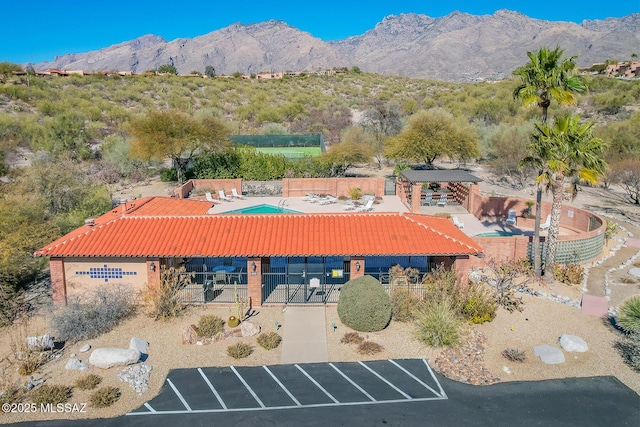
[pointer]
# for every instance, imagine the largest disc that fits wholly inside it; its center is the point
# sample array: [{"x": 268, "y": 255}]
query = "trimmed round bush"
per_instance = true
[{"x": 364, "y": 305}]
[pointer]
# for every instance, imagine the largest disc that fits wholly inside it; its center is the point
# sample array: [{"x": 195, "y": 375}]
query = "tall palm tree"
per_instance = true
[
  {"x": 546, "y": 77},
  {"x": 566, "y": 150}
]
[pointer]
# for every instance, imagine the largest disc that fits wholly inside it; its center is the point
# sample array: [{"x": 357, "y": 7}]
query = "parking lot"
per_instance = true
[{"x": 251, "y": 388}]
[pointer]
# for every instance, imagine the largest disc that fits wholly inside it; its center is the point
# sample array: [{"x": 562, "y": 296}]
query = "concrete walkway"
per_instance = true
[{"x": 304, "y": 335}]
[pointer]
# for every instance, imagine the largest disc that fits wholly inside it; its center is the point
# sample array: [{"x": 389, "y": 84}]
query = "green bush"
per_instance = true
[
  {"x": 105, "y": 396},
  {"x": 84, "y": 320},
  {"x": 53, "y": 394},
  {"x": 88, "y": 382},
  {"x": 629, "y": 348},
  {"x": 629, "y": 314},
  {"x": 269, "y": 340},
  {"x": 439, "y": 325},
  {"x": 210, "y": 325},
  {"x": 239, "y": 350},
  {"x": 570, "y": 274},
  {"x": 479, "y": 305},
  {"x": 364, "y": 305}
]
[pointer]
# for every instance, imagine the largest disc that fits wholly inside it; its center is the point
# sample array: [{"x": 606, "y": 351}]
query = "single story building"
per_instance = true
[{"x": 265, "y": 258}]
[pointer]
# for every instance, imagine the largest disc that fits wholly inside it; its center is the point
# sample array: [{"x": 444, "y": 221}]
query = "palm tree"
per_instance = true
[
  {"x": 546, "y": 77},
  {"x": 566, "y": 150}
]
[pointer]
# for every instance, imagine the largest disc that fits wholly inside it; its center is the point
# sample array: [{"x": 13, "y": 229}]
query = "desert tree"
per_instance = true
[
  {"x": 177, "y": 136},
  {"x": 565, "y": 150},
  {"x": 343, "y": 155},
  {"x": 167, "y": 69},
  {"x": 433, "y": 134},
  {"x": 381, "y": 121},
  {"x": 546, "y": 77}
]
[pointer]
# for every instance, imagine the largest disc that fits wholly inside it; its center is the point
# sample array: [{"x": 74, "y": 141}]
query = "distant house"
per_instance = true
[{"x": 623, "y": 69}]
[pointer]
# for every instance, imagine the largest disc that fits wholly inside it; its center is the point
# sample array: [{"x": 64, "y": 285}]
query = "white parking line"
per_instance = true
[
  {"x": 385, "y": 380},
  {"x": 416, "y": 378},
  {"x": 184, "y": 402},
  {"x": 316, "y": 383},
  {"x": 352, "y": 383},
  {"x": 255, "y": 396},
  {"x": 146, "y": 405},
  {"x": 442, "y": 393},
  {"x": 213, "y": 390},
  {"x": 282, "y": 386}
]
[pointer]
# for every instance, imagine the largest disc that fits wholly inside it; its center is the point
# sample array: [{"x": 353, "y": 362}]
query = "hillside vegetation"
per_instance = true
[{"x": 78, "y": 135}]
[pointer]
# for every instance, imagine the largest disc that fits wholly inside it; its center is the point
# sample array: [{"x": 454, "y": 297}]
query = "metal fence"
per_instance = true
[{"x": 212, "y": 288}]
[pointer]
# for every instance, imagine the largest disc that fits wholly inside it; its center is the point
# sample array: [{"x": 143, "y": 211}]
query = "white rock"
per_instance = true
[
  {"x": 573, "y": 343},
  {"x": 85, "y": 348},
  {"x": 249, "y": 329},
  {"x": 139, "y": 344},
  {"x": 506, "y": 370},
  {"x": 548, "y": 354},
  {"x": 76, "y": 365},
  {"x": 43, "y": 342},
  {"x": 105, "y": 358}
]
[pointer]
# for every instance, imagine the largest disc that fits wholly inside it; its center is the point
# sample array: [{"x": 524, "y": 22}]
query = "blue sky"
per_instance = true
[{"x": 38, "y": 30}]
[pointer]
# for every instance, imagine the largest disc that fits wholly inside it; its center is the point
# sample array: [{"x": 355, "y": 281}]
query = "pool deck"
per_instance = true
[{"x": 472, "y": 225}]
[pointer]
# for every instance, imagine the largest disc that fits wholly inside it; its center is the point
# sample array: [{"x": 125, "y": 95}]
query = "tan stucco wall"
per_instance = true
[{"x": 78, "y": 284}]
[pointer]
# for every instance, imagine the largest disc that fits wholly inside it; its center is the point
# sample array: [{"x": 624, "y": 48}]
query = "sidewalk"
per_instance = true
[{"x": 304, "y": 335}]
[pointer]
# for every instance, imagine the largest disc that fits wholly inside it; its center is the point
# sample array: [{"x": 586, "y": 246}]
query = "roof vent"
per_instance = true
[{"x": 90, "y": 222}]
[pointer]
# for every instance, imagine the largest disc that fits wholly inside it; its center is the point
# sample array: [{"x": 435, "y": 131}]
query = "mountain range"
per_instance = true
[{"x": 455, "y": 47}]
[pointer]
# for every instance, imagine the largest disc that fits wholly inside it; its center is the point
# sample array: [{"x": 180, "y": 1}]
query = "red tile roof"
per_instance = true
[{"x": 132, "y": 235}]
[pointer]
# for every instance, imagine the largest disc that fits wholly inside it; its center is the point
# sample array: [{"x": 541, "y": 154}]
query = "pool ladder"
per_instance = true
[{"x": 281, "y": 204}]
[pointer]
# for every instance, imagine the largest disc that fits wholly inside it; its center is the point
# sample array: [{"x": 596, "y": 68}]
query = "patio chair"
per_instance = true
[
  {"x": 511, "y": 217},
  {"x": 310, "y": 197},
  {"x": 428, "y": 199},
  {"x": 350, "y": 207},
  {"x": 328, "y": 200},
  {"x": 235, "y": 194},
  {"x": 546, "y": 224},
  {"x": 210, "y": 198},
  {"x": 221, "y": 276},
  {"x": 443, "y": 200},
  {"x": 366, "y": 208},
  {"x": 224, "y": 196},
  {"x": 457, "y": 222}
]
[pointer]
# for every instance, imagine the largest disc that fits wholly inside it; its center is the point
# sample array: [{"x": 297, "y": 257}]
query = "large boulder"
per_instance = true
[
  {"x": 76, "y": 365},
  {"x": 139, "y": 344},
  {"x": 548, "y": 354},
  {"x": 249, "y": 329},
  {"x": 42, "y": 342},
  {"x": 573, "y": 343},
  {"x": 106, "y": 358}
]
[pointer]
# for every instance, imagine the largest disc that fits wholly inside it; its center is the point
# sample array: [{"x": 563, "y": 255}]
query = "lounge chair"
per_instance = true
[
  {"x": 210, "y": 198},
  {"x": 443, "y": 200},
  {"x": 310, "y": 197},
  {"x": 224, "y": 196},
  {"x": 457, "y": 222},
  {"x": 546, "y": 224},
  {"x": 428, "y": 199},
  {"x": 366, "y": 208},
  {"x": 235, "y": 194},
  {"x": 328, "y": 200},
  {"x": 511, "y": 217}
]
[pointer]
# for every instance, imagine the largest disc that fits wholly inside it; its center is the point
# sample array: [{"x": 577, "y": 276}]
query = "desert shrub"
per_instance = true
[
  {"x": 479, "y": 305},
  {"x": 438, "y": 324},
  {"x": 442, "y": 285},
  {"x": 53, "y": 394},
  {"x": 351, "y": 338},
  {"x": 269, "y": 340},
  {"x": 84, "y": 320},
  {"x": 105, "y": 396},
  {"x": 239, "y": 350},
  {"x": 369, "y": 348},
  {"x": 163, "y": 300},
  {"x": 88, "y": 382},
  {"x": 404, "y": 303},
  {"x": 364, "y": 305},
  {"x": 210, "y": 325},
  {"x": 355, "y": 193},
  {"x": 570, "y": 274},
  {"x": 514, "y": 354},
  {"x": 629, "y": 348},
  {"x": 629, "y": 314},
  {"x": 29, "y": 362}
]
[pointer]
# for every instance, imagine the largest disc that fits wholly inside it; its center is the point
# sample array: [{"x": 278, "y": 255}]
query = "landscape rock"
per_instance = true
[
  {"x": 548, "y": 354},
  {"x": 573, "y": 343},
  {"x": 137, "y": 376},
  {"x": 249, "y": 329},
  {"x": 190, "y": 334},
  {"x": 76, "y": 365},
  {"x": 139, "y": 344},
  {"x": 43, "y": 342},
  {"x": 85, "y": 348},
  {"x": 106, "y": 358}
]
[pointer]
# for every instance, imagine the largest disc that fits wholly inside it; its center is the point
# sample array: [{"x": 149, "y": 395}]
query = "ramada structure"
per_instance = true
[{"x": 270, "y": 258}]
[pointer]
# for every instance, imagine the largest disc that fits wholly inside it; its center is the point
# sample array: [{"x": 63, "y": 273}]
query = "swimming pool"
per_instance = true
[
  {"x": 495, "y": 234},
  {"x": 262, "y": 209}
]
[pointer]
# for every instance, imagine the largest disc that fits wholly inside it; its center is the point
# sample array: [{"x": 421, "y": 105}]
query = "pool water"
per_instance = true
[
  {"x": 495, "y": 234},
  {"x": 262, "y": 209}
]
